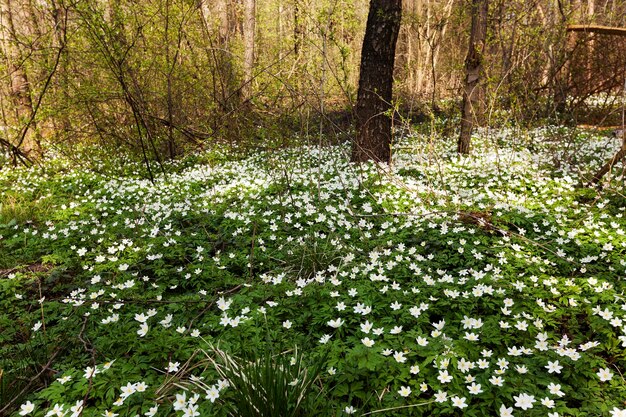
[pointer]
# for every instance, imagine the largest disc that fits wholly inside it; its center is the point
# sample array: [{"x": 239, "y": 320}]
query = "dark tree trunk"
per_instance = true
[
  {"x": 470, "y": 110},
  {"x": 373, "y": 123}
]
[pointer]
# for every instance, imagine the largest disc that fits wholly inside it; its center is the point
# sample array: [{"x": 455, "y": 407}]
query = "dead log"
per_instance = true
[
  {"x": 607, "y": 167},
  {"x": 602, "y": 30}
]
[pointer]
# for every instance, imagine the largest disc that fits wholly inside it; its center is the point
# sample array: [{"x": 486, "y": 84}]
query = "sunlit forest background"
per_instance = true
[{"x": 166, "y": 77}]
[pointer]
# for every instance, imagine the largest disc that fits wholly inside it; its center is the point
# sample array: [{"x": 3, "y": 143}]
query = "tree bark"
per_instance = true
[
  {"x": 221, "y": 10},
  {"x": 19, "y": 87},
  {"x": 442, "y": 27},
  {"x": 249, "y": 23},
  {"x": 298, "y": 28},
  {"x": 59, "y": 19},
  {"x": 373, "y": 122},
  {"x": 215, "y": 15},
  {"x": 563, "y": 83},
  {"x": 470, "y": 110},
  {"x": 114, "y": 17}
]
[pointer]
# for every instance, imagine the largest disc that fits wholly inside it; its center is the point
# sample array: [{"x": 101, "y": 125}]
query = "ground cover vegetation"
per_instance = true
[{"x": 445, "y": 285}]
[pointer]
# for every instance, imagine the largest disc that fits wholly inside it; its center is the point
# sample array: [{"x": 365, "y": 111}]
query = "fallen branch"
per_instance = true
[
  {"x": 46, "y": 367},
  {"x": 607, "y": 167},
  {"x": 17, "y": 155},
  {"x": 602, "y": 30}
]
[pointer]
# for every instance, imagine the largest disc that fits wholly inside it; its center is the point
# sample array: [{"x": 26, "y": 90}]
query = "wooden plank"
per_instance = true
[{"x": 602, "y": 30}]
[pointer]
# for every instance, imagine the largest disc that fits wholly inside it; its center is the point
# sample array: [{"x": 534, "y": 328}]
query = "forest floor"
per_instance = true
[{"x": 485, "y": 285}]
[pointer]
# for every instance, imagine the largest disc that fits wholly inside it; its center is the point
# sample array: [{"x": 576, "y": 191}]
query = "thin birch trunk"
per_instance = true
[
  {"x": 473, "y": 74},
  {"x": 249, "y": 23}
]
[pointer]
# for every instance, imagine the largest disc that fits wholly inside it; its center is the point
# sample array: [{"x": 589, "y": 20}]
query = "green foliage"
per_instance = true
[
  {"x": 437, "y": 289},
  {"x": 276, "y": 385}
]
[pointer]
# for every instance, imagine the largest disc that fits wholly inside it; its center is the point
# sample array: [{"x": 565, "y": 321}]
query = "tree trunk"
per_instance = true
[
  {"x": 403, "y": 46},
  {"x": 563, "y": 80},
  {"x": 19, "y": 86},
  {"x": 249, "y": 22},
  {"x": 114, "y": 17},
  {"x": 215, "y": 15},
  {"x": 442, "y": 27},
  {"x": 31, "y": 19},
  {"x": 221, "y": 10},
  {"x": 590, "y": 46},
  {"x": 473, "y": 74},
  {"x": 373, "y": 123},
  {"x": 59, "y": 19},
  {"x": 298, "y": 28}
]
